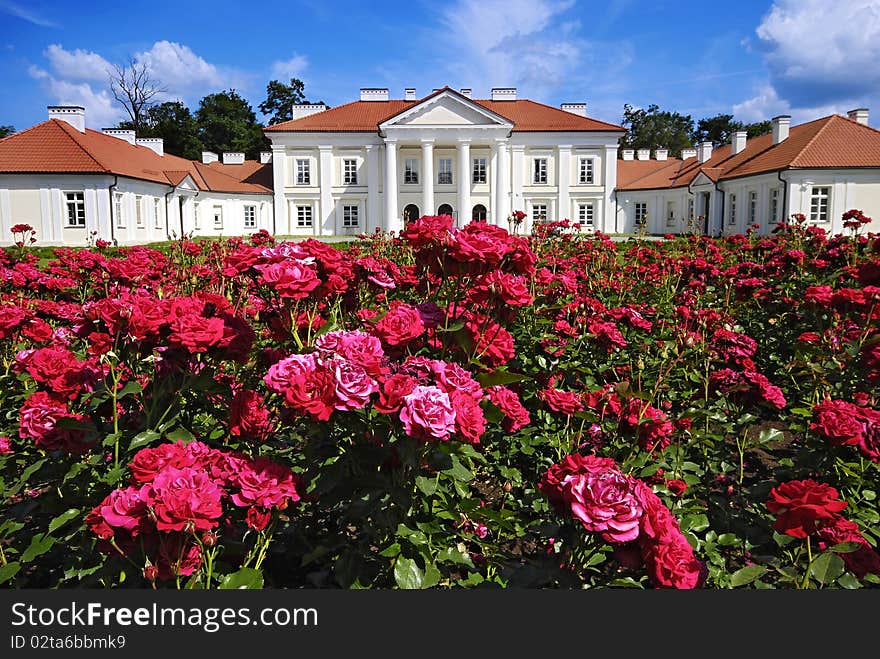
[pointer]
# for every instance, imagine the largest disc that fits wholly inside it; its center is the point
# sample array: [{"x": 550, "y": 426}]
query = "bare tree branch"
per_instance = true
[{"x": 135, "y": 88}]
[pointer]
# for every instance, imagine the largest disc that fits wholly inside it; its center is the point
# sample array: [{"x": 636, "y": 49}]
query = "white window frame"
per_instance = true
[
  {"x": 671, "y": 209},
  {"x": 250, "y": 216},
  {"x": 731, "y": 207},
  {"x": 753, "y": 207},
  {"x": 586, "y": 170},
  {"x": 119, "y": 209},
  {"x": 540, "y": 170},
  {"x": 139, "y": 211},
  {"x": 351, "y": 216},
  {"x": 197, "y": 221},
  {"x": 479, "y": 171},
  {"x": 157, "y": 212},
  {"x": 818, "y": 199},
  {"x": 349, "y": 171},
  {"x": 536, "y": 215},
  {"x": 641, "y": 212},
  {"x": 444, "y": 166},
  {"x": 305, "y": 216},
  {"x": 587, "y": 213},
  {"x": 773, "y": 210},
  {"x": 78, "y": 205},
  {"x": 410, "y": 171},
  {"x": 303, "y": 171},
  {"x": 218, "y": 216}
]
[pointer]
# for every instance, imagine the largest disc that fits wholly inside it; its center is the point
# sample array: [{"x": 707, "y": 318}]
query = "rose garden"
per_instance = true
[{"x": 446, "y": 408}]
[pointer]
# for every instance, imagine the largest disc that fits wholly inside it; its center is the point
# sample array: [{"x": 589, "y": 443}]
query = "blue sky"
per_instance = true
[{"x": 755, "y": 59}]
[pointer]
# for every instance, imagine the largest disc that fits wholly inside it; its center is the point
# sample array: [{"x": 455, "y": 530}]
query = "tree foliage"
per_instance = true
[
  {"x": 6, "y": 131},
  {"x": 720, "y": 129},
  {"x": 135, "y": 88},
  {"x": 176, "y": 125},
  {"x": 280, "y": 99},
  {"x": 654, "y": 128},
  {"x": 226, "y": 122}
]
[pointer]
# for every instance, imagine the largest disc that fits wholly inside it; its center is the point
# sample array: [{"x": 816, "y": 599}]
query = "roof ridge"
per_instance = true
[
  {"x": 545, "y": 105},
  {"x": 840, "y": 116},
  {"x": 809, "y": 143}
]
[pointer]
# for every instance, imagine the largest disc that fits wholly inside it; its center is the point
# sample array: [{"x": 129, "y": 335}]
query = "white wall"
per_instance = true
[{"x": 231, "y": 207}]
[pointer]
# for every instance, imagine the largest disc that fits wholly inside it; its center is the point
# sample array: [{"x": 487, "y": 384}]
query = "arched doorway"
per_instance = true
[
  {"x": 445, "y": 209},
  {"x": 410, "y": 213},
  {"x": 479, "y": 213}
]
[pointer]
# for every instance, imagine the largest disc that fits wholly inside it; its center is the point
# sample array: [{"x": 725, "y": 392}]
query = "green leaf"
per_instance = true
[
  {"x": 826, "y": 567},
  {"x": 695, "y": 523},
  {"x": 769, "y": 435},
  {"x": 427, "y": 485},
  {"x": 143, "y": 439},
  {"x": 432, "y": 576},
  {"x": 846, "y": 547},
  {"x": 500, "y": 376},
  {"x": 111, "y": 439},
  {"x": 180, "y": 434},
  {"x": 8, "y": 571},
  {"x": 129, "y": 389},
  {"x": 746, "y": 575},
  {"x": 63, "y": 519},
  {"x": 391, "y": 550},
  {"x": 458, "y": 471},
  {"x": 40, "y": 544},
  {"x": 247, "y": 578},
  {"x": 408, "y": 574},
  {"x": 454, "y": 555}
]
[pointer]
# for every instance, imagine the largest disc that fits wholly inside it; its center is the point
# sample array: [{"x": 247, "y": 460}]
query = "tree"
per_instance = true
[
  {"x": 175, "y": 124},
  {"x": 758, "y": 128},
  {"x": 718, "y": 129},
  {"x": 226, "y": 122},
  {"x": 280, "y": 99},
  {"x": 654, "y": 128},
  {"x": 135, "y": 89},
  {"x": 6, "y": 131}
]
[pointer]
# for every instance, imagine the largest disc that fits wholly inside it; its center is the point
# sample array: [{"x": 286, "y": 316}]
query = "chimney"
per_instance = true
[
  {"x": 466, "y": 92},
  {"x": 121, "y": 133},
  {"x": 265, "y": 157},
  {"x": 75, "y": 115},
  {"x": 301, "y": 110},
  {"x": 661, "y": 154},
  {"x": 233, "y": 157},
  {"x": 503, "y": 93},
  {"x": 704, "y": 151},
  {"x": 643, "y": 154},
  {"x": 738, "y": 142},
  {"x": 688, "y": 153},
  {"x": 155, "y": 144},
  {"x": 859, "y": 115},
  {"x": 208, "y": 157},
  {"x": 580, "y": 109},
  {"x": 409, "y": 94},
  {"x": 780, "y": 127},
  {"x": 374, "y": 93},
  {"x": 627, "y": 154}
]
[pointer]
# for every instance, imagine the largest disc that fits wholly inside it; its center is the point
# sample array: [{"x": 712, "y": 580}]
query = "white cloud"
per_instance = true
[
  {"x": 294, "y": 67},
  {"x": 101, "y": 108},
  {"x": 77, "y": 64},
  {"x": 25, "y": 14},
  {"x": 179, "y": 69},
  {"x": 767, "y": 104}
]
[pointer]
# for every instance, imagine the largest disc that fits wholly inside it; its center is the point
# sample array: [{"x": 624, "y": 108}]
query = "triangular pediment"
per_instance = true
[
  {"x": 446, "y": 108},
  {"x": 702, "y": 179}
]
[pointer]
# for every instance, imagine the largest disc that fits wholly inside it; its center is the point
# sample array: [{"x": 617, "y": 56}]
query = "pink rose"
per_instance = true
[
  {"x": 183, "y": 500},
  {"x": 427, "y": 414},
  {"x": 281, "y": 375},
  {"x": 352, "y": 386},
  {"x": 265, "y": 484}
]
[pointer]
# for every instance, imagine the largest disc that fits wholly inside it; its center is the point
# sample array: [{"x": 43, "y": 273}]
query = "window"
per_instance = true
[
  {"x": 478, "y": 213},
  {"x": 119, "y": 210},
  {"x": 774, "y": 206},
  {"x": 303, "y": 216},
  {"x": 585, "y": 214},
  {"x": 479, "y": 170},
  {"x": 349, "y": 216},
  {"x": 819, "y": 196},
  {"x": 586, "y": 171},
  {"x": 157, "y": 213},
  {"x": 732, "y": 219},
  {"x": 444, "y": 171},
  {"x": 76, "y": 209},
  {"x": 690, "y": 208},
  {"x": 670, "y": 214},
  {"x": 753, "y": 208},
  {"x": 540, "y": 170},
  {"x": 218, "y": 217},
  {"x": 411, "y": 170},
  {"x": 641, "y": 212},
  {"x": 139, "y": 211},
  {"x": 250, "y": 217},
  {"x": 303, "y": 172},
  {"x": 539, "y": 212},
  {"x": 197, "y": 222},
  {"x": 349, "y": 171}
]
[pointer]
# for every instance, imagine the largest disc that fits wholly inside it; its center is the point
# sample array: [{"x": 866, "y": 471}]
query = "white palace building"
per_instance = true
[{"x": 377, "y": 162}]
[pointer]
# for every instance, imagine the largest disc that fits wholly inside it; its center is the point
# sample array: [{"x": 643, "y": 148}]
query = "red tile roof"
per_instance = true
[
  {"x": 365, "y": 116},
  {"x": 54, "y": 146},
  {"x": 830, "y": 142}
]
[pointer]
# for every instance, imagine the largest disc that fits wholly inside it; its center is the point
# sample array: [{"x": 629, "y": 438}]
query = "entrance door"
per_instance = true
[{"x": 704, "y": 211}]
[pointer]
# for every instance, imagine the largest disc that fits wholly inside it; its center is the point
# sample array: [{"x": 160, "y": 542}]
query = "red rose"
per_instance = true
[
  {"x": 802, "y": 506},
  {"x": 860, "y": 562},
  {"x": 838, "y": 421},
  {"x": 566, "y": 402},
  {"x": 248, "y": 416},
  {"x": 265, "y": 484},
  {"x": 399, "y": 326},
  {"x": 392, "y": 391},
  {"x": 516, "y": 416},
  {"x": 470, "y": 424},
  {"x": 183, "y": 500}
]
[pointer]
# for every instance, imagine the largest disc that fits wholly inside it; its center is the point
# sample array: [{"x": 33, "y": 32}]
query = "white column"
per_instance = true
[
  {"x": 609, "y": 183},
  {"x": 327, "y": 224},
  {"x": 392, "y": 220},
  {"x": 503, "y": 164},
  {"x": 498, "y": 179},
  {"x": 517, "y": 172},
  {"x": 373, "y": 219},
  {"x": 428, "y": 178},
  {"x": 279, "y": 182},
  {"x": 464, "y": 182},
  {"x": 563, "y": 181}
]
